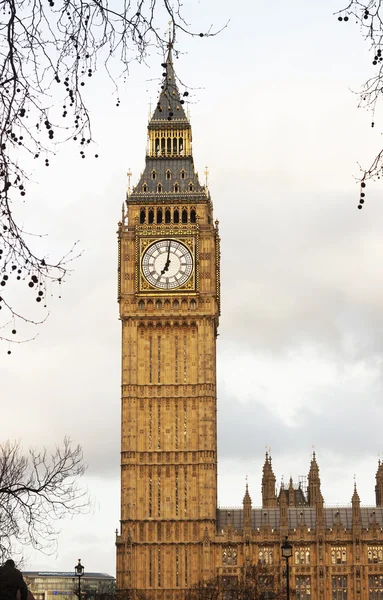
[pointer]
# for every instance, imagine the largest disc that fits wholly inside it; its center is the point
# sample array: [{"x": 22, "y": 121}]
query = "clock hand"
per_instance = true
[{"x": 166, "y": 267}]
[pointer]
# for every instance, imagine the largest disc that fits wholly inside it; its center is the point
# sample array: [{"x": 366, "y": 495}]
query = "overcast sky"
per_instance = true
[{"x": 300, "y": 346}]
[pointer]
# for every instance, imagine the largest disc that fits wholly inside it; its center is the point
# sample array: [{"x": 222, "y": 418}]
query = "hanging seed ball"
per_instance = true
[
  {"x": 34, "y": 279},
  {"x": 346, "y": 18},
  {"x": 201, "y": 35},
  {"x": 38, "y": 299},
  {"x": 41, "y": 293},
  {"x": 9, "y": 352},
  {"x": 13, "y": 331},
  {"x": 31, "y": 284},
  {"x": 96, "y": 156},
  {"x": 340, "y": 18},
  {"x": 363, "y": 185}
]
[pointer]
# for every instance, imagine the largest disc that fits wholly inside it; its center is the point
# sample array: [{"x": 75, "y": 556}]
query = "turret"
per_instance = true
[
  {"x": 283, "y": 510},
  {"x": 355, "y": 502},
  {"x": 291, "y": 492},
  {"x": 313, "y": 491},
  {"x": 269, "y": 496},
  {"x": 379, "y": 485},
  {"x": 247, "y": 511}
]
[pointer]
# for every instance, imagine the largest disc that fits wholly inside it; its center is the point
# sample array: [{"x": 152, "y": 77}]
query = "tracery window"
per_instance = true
[
  {"x": 302, "y": 587},
  {"x": 302, "y": 555},
  {"x": 375, "y": 554},
  {"x": 375, "y": 587},
  {"x": 339, "y": 588},
  {"x": 338, "y": 555},
  {"x": 265, "y": 556},
  {"x": 229, "y": 555},
  {"x": 168, "y": 174}
]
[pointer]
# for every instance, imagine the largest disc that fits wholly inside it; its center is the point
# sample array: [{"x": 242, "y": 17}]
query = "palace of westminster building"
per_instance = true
[{"x": 172, "y": 533}]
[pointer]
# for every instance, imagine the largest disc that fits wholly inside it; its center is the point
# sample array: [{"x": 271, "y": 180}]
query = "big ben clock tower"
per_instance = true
[{"x": 169, "y": 308}]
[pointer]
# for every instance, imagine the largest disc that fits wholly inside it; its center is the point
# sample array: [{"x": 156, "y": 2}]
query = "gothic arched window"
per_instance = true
[
  {"x": 142, "y": 215},
  {"x": 184, "y": 216}
]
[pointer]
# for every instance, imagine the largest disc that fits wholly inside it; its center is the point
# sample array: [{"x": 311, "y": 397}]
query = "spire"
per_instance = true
[
  {"x": 379, "y": 484},
  {"x": 247, "y": 510},
  {"x": 291, "y": 492},
  {"x": 283, "y": 510},
  {"x": 269, "y": 496},
  {"x": 313, "y": 482},
  {"x": 170, "y": 104},
  {"x": 169, "y": 170}
]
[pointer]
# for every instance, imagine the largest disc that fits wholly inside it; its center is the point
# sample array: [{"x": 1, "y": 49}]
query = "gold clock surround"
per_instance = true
[{"x": 144, "y": 286}]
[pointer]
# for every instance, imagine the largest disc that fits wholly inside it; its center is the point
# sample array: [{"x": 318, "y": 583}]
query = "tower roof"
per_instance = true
[{"x": 170, "y": 104}]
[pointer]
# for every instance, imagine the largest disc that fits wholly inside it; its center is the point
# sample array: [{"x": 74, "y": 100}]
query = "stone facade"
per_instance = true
[{"x": 172, "y": 534}]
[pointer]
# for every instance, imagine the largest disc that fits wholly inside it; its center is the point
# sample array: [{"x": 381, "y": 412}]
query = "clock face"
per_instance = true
[{"x": 167, "y": 264}]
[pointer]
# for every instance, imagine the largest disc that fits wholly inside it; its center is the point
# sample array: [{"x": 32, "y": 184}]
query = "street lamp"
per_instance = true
[
  {"x": 79, "y": 572},
  {"x": 287, "y": 552}
]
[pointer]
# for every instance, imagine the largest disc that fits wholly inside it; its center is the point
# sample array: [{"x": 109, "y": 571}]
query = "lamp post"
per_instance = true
[
  {"x": 79, "y": 572},
  {"x": 287, "y": 552}
]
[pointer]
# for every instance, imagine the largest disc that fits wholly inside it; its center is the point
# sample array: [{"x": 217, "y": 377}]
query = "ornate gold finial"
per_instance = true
[
  {"x": 206, "y": 177},
  {"x": 129, "y": 174}
]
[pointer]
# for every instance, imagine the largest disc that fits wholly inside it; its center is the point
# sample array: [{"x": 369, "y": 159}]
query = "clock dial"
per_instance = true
[{"x": 167, "y": 264}]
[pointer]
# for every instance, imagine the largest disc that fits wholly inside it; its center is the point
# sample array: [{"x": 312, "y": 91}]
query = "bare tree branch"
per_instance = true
[
  {"x": 36, "y": 490},
  {"x": 48, "y": 52}
]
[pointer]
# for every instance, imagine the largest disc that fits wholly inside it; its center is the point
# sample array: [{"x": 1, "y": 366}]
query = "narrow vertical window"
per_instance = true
[
  {"x": 176, "y": 216},
  {"x": 193, "y": 217},
  {"x": 144, "y": 188},
  {"x": 175, "y": 145},
  {"x": 190, "y": 187},
  {"x": 185, "y": 423},
  {"x": 150, "y": 358},
  {"x": 150, "y": 492},
  {"x": 176, "y": 491},
  {"x": 167, "y": 216},
  {"x": 186, "y": 568},
  {"x": 176, "y": 359},
  {"x": 185, "y": 492},
  {"x": 176, "y": 188},
  {"x": 162, "y": 145},
  {"x": 181, "y": 145},
  {"x": 157, "y": 145},
  {"x": 169, "y": 146},
  {"x": 142, "y": 215},
  {"x": 153, "y": 174},
  {"x": 150, "y": 567},
  {"x": 184, "y": 216},
  {"x": 168, "y": 174},
  {"x": 176, "y": 426},
  {"x": 185, "y": 357},
  {"x": 159, "y": 214},
  {"x": 151, "y": 216},
  {"x": 182, "y": 174},
  {"x": 159, "y": 566},
  {"x": 177, "y": 568},
  {"x": 150, "y": 424},
  {"x": 159, "y": 188}
]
